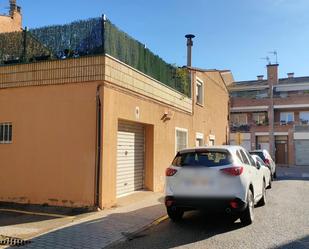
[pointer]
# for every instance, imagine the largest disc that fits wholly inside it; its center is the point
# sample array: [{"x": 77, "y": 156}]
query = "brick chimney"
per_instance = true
[
  {"x": 272, "y": 74},
  {"x": 260, "y": 77},
  {"x": 13, "y": 7},
  {"x": 290, "y": 75}
]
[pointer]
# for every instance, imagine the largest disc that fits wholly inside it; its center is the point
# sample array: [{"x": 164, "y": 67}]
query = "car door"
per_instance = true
[
  {"x": 258, "y": 174},
  {"x": 254, "y": 174}
]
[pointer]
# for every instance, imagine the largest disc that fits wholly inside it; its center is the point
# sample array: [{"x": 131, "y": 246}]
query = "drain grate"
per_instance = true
[{"x": 11, "y": 241}]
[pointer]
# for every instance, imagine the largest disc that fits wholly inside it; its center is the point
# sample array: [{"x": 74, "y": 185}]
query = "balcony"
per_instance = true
[{"x": 253, "y": 126}]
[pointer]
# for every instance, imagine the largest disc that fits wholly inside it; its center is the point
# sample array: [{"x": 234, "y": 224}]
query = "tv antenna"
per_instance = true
[
  {"x": 267, "y": 59},
  {"x": 275, "y": 54}
]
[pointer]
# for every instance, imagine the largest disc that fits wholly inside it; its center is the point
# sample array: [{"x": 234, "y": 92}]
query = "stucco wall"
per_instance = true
[
  {"x": 119, "y": 104},
  {"x": 52, "y": 106},
  {"x": 52, "y": 156},
  {"x": 10, "y": 24}
]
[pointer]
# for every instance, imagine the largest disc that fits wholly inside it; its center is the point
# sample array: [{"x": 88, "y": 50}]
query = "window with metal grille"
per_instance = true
[
  {"x": 5, "y": 133},
  {"x": 181, "y": 139}
]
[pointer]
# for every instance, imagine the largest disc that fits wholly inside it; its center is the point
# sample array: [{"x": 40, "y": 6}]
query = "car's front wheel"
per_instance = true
[
  {"x": 174, "y": 213},
  {"x": 247, "y": 215}
]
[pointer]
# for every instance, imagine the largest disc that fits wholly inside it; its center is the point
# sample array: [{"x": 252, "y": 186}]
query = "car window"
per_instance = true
[
  {"x": 202, "y": 158},
  {"x": 239, "y": 156},
  {"x": 252, "y": 162},
  {"x": 258, "y": 153},
  {"x": 260, "y": 161},
  {"x": 244, "y": 157}
]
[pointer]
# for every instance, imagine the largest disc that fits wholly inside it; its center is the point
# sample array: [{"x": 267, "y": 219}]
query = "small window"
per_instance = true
[
  {"x": 286, "y": 117},
  {"x": 259, "y": 118},
  {"x": 199, "y": 140},
  {"x": 199, "y": 92},
  {"x": 181, "y": 139},
  {"x": 304, "y": 117},
  {"x": 5, "y": 133},
  {"x": 239, "y": 119}
]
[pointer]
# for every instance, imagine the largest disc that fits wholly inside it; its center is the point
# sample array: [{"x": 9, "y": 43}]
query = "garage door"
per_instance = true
[
  {"x": 302, "y": 152},
  {"x": 130, "y": 157}
]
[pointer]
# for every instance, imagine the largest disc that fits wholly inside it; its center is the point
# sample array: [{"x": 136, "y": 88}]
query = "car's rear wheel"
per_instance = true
[
  {"x": 174, "y": 213},
  {"x": 247, "y": 215},
  {"x": 262, "y": 202}
]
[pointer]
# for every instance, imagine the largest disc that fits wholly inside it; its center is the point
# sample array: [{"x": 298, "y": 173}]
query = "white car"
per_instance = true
[
  {"x": 269, "y": 162},
  {"x": 263, "y": 170},
  {"x": 218, "y": 178}
]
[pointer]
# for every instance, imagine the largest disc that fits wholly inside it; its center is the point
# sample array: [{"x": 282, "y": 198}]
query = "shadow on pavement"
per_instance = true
[
  {"x": 299, "y": 173},
  {"x": 97, "y": 233},
  {"x": 302, "y": 243},
  {"x": 196, "y": 226},
  {"x": 15, "y": 218}
]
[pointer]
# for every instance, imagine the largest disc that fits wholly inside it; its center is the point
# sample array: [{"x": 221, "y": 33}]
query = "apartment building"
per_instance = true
[
  {"x": 81, "y": 129},
  {"x": 272, "y": 114}
]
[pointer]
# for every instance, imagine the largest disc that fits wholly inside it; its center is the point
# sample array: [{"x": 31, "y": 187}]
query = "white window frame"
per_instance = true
[
  {"x": 200, "y": 83},
  {"x": 284, "y": 117},
  {"x": 211, "y": 138},
  {"x": 8, "y": 141},
  {"x": 183, "y": 130},
  {"x": 303, "y": 112},
  {"x": 199, "y": 137}
]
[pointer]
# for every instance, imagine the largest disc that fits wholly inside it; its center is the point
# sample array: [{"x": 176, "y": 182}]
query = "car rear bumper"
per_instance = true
[{"x": 229, "y": 205}]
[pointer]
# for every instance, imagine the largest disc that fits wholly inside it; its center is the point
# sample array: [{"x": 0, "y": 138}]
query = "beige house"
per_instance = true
[
  {"x": 13, "y": 21},
  {"x": 81, "y": 132}
]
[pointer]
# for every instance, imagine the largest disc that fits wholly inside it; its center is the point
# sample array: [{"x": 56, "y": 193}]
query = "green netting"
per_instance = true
[
  {"x": 128, "y": 50},
  {"x": 80, "y": 37},
  {"x": 89, "y": 37},
  {"x": 17, "y": 47}
]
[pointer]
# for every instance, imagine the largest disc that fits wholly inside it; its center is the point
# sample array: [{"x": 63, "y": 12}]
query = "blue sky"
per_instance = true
[{"x": 230, "y": 34}]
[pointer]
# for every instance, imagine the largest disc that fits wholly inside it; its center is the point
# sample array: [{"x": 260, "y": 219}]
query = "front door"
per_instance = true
[{"x": 281, "y": 153}]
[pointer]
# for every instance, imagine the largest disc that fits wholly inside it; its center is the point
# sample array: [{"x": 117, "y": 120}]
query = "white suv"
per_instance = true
[{"x": 218, "y": 178}]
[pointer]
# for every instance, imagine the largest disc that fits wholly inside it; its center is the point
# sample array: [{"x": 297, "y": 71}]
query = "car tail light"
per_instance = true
[
  {"x": 170, "y": 172},
  {"x": 169, "y": 201},
  {"x": 233, "y": 171},
  {"x": 266, "y": 161},
  {"x": 234, "y": 204}
]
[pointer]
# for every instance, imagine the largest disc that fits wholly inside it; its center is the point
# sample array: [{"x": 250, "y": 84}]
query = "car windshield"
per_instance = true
[
  {"x": 203, "y": 159},
  {"x": 258, "y": 153}
]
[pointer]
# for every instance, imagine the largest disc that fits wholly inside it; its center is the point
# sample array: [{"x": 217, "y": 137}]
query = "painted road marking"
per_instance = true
[{"x": 36, "y": 213}]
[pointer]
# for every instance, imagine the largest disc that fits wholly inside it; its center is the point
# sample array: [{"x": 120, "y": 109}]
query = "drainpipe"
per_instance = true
[{"x": 98, "y": 146}]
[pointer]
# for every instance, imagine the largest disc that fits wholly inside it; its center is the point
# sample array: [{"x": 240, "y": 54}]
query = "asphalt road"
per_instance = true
[{"x": 282, "y": 223}]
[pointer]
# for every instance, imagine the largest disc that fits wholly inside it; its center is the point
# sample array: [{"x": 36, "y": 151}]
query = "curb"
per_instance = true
[{"x": 132, "y": 235}]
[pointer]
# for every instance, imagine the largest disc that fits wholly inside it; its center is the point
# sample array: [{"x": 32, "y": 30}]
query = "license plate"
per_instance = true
[{"x": 195, "y": 182}]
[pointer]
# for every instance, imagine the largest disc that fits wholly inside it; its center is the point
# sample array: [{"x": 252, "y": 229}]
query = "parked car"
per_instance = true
[
  {"x": 264, "y": 154},
  {"x": 263, "y": 169},
  {"x": 221, "y": 179}
]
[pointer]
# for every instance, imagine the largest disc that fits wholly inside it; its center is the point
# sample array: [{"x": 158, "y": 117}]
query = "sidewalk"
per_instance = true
[
  {"x": 293, "y": 172},
  {"x": 100, "y": 229}
]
